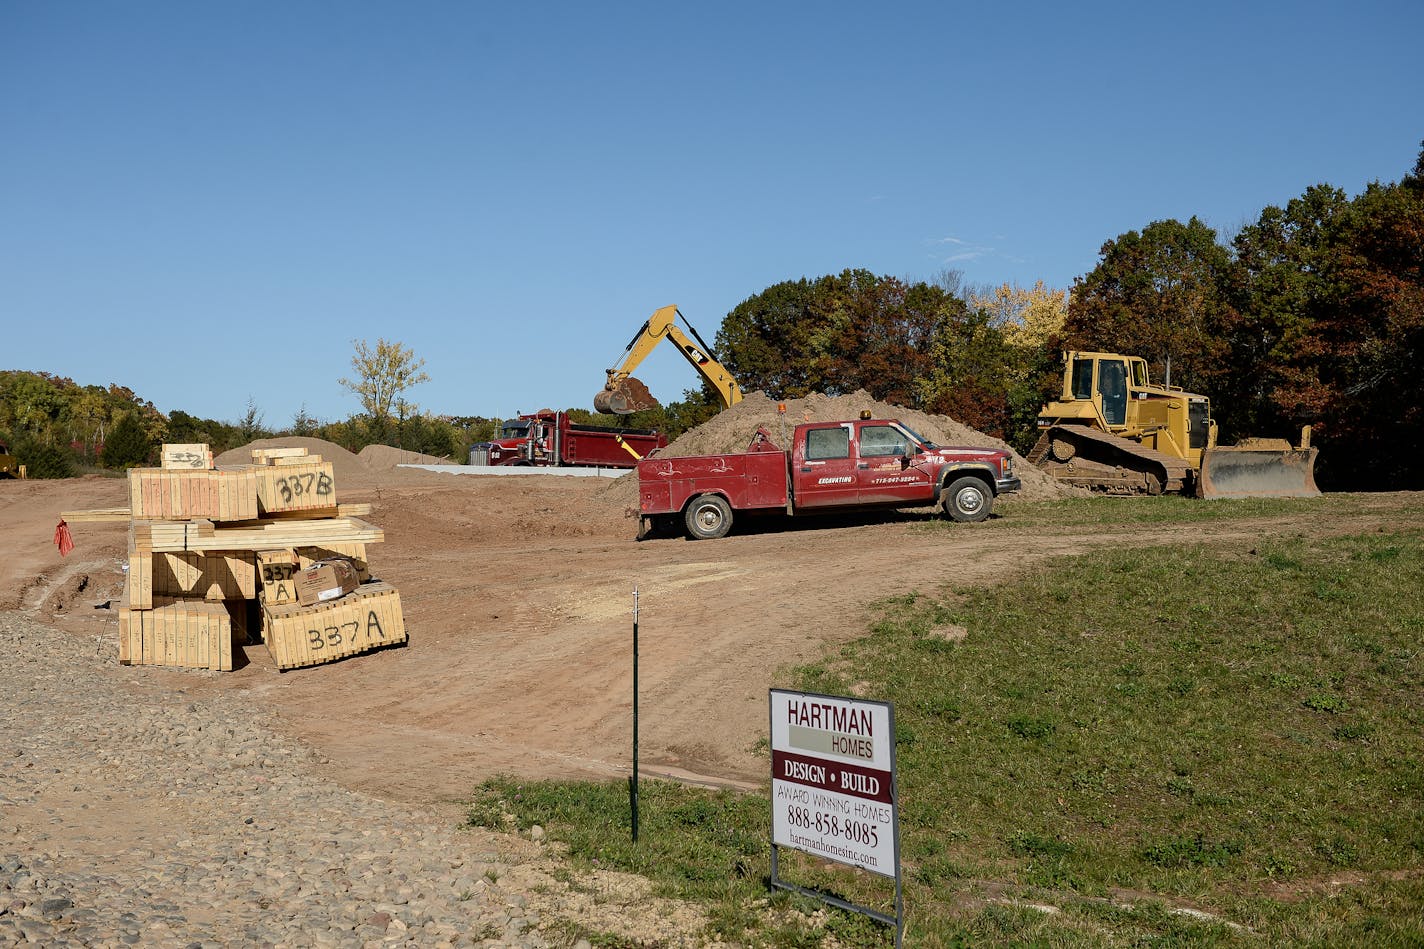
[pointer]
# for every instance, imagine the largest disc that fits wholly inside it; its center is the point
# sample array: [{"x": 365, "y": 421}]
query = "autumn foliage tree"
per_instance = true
[
  {"x": 1356, "y": 368},
  {"x": 1160, "y": 294},
  {"x": 911, "y": 344},
  {"x": 1029, "y": 321},
  {"x": 835, "y": 334},
  {"x": 382, "y": 374}
]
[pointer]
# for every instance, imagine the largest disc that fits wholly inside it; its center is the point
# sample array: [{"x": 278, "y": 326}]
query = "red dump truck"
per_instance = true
[
  {"x": 548, "y": 438},
  {"x": 831, "y": 467}
]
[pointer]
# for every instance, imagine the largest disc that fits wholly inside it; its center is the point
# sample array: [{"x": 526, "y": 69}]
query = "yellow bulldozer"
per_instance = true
[{"x": 1113, "y": 431}]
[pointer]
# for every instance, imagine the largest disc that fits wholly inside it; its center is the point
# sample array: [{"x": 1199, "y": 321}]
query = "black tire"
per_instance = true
[
  {"x": 708, "y": 516},
  {"x": 968, "y": 500}
]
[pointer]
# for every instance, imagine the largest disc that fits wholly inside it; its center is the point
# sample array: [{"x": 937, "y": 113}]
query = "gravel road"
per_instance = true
[{"x": 133, "y": 813}]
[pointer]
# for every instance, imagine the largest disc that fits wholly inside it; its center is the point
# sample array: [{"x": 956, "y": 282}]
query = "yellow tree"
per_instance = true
[
  {"x": 382, "y": 374},
  {"x": 1027, "y": 318},
  {"x": 1029, "y": 321}
]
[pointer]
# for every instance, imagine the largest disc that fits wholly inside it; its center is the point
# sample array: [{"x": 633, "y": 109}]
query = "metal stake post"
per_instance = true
[{"x": 633, "y": 778}]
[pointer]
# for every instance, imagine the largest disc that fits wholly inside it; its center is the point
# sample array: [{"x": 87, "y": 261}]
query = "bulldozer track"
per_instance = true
[{"x": 1102, "y": 461}]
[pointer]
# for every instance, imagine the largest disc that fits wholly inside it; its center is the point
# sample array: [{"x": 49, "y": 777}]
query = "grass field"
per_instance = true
[{"x": 1159, "y": 746}]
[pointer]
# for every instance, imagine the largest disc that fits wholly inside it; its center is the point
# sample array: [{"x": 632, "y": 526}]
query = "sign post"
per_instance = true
[{"x": 833, "y": 790}]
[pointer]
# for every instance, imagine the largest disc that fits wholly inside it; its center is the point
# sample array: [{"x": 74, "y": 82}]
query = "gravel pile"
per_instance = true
[{"x": 134, "y": 814}]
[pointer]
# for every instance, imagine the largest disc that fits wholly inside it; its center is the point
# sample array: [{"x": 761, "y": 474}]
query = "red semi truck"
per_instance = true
[
  {"x": 548, "y": 438},
  {"x": 831, "y": 467}
]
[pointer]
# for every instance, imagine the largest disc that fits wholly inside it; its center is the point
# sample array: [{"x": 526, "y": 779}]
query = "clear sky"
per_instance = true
[{"x": 208, "y": 202}]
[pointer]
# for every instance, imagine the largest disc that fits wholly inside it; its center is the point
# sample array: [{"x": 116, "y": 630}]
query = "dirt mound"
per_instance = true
[
  {"x": 352, "y": 472},
  {"x": 732, "y": 430},
  {"x": 344, "y": 464},
  {"x": 384, "y": 458}
]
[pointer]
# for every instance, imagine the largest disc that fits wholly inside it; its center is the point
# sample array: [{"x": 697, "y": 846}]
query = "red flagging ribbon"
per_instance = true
[{"x": 63, "y": 539}]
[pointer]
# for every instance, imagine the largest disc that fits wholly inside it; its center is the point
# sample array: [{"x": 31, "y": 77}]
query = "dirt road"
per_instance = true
[{"x": 518, "y": 598}]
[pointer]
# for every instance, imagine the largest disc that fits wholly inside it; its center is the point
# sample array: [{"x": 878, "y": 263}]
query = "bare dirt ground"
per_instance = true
[{"x": 518, "y": 594}]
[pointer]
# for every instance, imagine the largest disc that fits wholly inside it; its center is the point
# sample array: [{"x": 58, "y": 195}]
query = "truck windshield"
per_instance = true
[{"x": 514, "y": 429}]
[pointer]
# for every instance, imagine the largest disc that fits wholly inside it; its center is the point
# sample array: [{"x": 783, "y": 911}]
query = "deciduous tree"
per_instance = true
[
  {"x": 1163, "y": 293},
  {"x": 382, "y": 374}
]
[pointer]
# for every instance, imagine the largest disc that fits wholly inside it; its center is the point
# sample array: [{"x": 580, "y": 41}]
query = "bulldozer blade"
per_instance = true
[
  {"x": 1258, "y": 473},
  {"x": 625, "y": 397}
]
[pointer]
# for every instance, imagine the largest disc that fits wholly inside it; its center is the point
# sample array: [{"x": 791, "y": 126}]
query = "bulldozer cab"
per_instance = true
[{"x": 1107, "y": 379}]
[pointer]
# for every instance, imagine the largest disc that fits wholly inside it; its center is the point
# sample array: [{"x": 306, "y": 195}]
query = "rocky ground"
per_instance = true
[{"x": 131, "y": 815}]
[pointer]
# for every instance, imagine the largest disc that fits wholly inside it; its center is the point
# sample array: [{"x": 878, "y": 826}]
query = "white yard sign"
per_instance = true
[{"x": 833, "y": 779}]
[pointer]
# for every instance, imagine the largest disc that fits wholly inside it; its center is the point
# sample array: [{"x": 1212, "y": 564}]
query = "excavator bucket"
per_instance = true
[
  {"x": 1257, "y": 472},
  {"x": 624, "y": 397}
]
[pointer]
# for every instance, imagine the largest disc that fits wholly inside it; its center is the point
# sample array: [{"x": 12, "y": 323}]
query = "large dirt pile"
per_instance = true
[
  {"x": 344, "y": 465},
  {"x": 351, "y": 471},
  {"x": 384, "y": 458},
  {"x": 732, "y": 430}
]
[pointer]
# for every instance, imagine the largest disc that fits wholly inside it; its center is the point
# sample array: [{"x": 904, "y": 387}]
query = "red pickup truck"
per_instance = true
[{"x": 832, "y": 466}]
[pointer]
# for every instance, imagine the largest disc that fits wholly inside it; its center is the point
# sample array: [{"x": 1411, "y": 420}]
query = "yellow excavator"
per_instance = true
[
  {"x": 1115, "y": 432},
  {"x": 623, "y": 394}
]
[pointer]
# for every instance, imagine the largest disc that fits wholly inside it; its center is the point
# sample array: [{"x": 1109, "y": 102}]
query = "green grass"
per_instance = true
[
  {"x": 1131, "y": 735},
  {"x": 1071, "y": 514}
]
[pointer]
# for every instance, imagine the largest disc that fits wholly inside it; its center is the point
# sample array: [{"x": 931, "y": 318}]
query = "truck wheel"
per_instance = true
[
  {"x": 967, "y": 500},
  {"x": 707, "y": 517}
]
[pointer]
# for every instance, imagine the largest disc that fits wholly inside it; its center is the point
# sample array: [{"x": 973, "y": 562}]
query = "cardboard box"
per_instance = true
[{"x": 326, "y": 580}]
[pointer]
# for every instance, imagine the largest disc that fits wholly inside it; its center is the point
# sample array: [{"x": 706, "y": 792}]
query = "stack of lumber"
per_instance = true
[
  {"x": 309, "y": 635},
  {"x": 214, "y": 554}
]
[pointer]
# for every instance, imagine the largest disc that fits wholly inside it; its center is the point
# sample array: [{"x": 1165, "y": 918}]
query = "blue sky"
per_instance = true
[{"x": 208, "y": 202}]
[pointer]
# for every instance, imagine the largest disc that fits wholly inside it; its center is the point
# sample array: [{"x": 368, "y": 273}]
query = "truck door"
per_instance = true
[
  {"x": 826, "y": 473},
  {"x": 884, "y": 475}
]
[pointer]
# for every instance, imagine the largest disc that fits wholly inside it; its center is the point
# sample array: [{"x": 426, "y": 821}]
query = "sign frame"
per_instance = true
[{"x": 850, "y": 771}]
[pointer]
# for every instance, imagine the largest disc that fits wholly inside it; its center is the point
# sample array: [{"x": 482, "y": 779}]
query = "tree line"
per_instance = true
[
  {"x": 59, "y": 429},
  {"x": 1313, "y": 314}
]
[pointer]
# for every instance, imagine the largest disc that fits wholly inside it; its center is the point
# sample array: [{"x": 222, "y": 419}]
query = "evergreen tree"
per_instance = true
[{"x": 128, "y": 446}]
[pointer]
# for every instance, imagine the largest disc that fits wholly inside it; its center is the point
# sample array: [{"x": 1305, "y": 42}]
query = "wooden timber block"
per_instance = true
[
  {"x": 278, "y": 571},
  {"x": 361, "y": 621},
  {"x": 207, "y": 575},
  {"x": 262, "y": 456},
  {"x": 296, "y": 487},
  {"x": 191, "y": 634},
  {"x": 100, "y": 515},
  {"x": 138, "y": 584},
  {"x": 221, "y": 494},
  {"x": 196, "y": 455},
  {"x": 263, "y": 535}
]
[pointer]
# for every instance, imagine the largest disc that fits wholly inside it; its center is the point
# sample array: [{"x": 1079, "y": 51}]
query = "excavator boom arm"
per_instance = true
[{"x": 623, "y": 394}]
